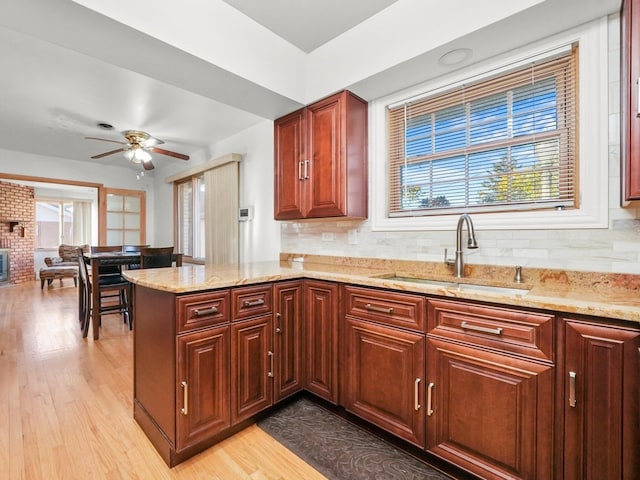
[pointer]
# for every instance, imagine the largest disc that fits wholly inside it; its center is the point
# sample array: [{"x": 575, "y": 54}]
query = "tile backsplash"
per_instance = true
[{"x": 614, "y": 249}]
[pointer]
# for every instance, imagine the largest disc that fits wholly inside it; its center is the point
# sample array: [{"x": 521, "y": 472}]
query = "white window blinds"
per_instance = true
[{"x": 506, "y": 143}]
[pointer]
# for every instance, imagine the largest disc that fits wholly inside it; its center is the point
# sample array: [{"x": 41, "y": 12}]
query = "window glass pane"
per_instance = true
[
  {"x": 115, "y": 220},
  {"x": 114, "y": 202},
  {"x": 131, "y": 238},
  {"x": 131, "y": 221},
  {"x": 450, "y": 129},
  {"x": 131, "y": 204},
  {"x": 115, "y": 237},
  {"x": 419, "y": 136}
]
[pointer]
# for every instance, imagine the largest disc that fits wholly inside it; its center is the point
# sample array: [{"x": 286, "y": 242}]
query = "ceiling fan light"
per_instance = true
[
  {"x": 141, "y": 155},
  {"x": 128, "y": 154}
]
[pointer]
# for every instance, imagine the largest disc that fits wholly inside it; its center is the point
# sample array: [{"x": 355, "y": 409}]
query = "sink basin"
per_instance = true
[
  {"x": 426, "y": 281},
  {"x": 463, "y": 287}
]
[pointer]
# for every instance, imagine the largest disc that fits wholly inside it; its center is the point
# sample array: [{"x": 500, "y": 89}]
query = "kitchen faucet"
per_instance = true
[{"x": 458, "y": 263}]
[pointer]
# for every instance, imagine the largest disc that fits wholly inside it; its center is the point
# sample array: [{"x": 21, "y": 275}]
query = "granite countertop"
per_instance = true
[{"x": 615, "y": 296}]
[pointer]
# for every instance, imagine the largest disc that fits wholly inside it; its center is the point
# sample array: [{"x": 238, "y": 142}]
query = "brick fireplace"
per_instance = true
[{"x": 17, "y": 230}]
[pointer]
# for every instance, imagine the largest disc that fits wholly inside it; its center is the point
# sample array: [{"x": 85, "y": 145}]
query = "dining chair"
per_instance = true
[
  {"x": 156, "y": 257},
  {"x": 108, "y": 269},
  {"x": 107, "y": 284},
  {"x": 133, "y": 248}
]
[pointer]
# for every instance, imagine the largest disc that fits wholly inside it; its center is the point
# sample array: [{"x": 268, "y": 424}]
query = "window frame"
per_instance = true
[
  {"x": 197, "y": 233},
  {"x": 593, "y": 146}
]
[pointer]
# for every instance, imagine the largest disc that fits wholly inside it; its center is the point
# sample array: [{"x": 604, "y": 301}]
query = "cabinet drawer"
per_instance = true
[
  {"x": 516, "y": 331},
  {"x": 251, "y": 301},
  {"x": 390, "y": 308},
  {"x": 202, "y": 310}
]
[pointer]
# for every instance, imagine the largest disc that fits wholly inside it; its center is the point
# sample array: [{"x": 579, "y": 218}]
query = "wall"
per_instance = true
[
  {"x": 16, "y": 203},
  {"x": 614, "y": 249}
]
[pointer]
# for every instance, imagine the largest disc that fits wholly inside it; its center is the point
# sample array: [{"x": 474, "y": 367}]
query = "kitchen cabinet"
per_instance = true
[
  {"x": 489, "y": 407},
  {"x": 321, "y": 160},
  {"x": 287, "y": 339},
  {"x": 598, "y": 400},
  {"x": 251, "y": 351},
  {"x": 630, "y": 99},
  {"x": 266, "y": 332},
  {"x": 321, "y": 303},
  {"x": 181, "y": 369},
  {"x": 384, "y": 366}
]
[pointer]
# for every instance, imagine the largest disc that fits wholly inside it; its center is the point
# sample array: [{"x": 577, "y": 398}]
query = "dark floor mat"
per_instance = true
[{"x": 339, "y": 449}]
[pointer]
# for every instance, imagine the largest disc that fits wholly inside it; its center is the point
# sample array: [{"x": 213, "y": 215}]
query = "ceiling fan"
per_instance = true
[{"x": 137, "y": 147}]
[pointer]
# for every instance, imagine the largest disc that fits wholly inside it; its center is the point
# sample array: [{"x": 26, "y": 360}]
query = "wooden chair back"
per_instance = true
[{"x": 156, "y": 257}]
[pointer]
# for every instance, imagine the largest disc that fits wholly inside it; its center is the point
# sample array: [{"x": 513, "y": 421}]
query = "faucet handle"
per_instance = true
[
  {"x": 518, "y": 276},
  {"x": 448, "y": 261}
]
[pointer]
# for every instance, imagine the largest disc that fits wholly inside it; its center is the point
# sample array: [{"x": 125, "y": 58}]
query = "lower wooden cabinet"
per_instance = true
[
  {"x": 321, "y": 302},
  {"x": 287, "y": 339},
  {"x": 383, "y": 377},
  {"x": 489, "y": 408},
  {"x": 487, "y": 413},
  {"x": 203, "y": 385},
  {"x": 598, "y": 401},
  {"x": 251, "y": 367}
]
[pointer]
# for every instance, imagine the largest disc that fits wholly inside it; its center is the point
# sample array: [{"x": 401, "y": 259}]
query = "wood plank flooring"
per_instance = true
[{"x": 66, "y": 403}]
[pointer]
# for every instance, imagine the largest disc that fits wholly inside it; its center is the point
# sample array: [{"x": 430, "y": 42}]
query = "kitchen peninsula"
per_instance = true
[{"x": 217, "y": 345}]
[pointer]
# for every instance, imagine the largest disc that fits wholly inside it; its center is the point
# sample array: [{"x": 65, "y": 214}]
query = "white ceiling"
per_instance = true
[{"x": 179, "y": 75}]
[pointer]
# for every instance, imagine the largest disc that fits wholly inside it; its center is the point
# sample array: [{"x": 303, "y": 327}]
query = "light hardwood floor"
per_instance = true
[{"x": 66, "y": 403}]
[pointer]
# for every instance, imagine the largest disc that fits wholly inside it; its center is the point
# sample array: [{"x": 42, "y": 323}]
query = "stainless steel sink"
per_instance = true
[{"x": 463, "y": 287}]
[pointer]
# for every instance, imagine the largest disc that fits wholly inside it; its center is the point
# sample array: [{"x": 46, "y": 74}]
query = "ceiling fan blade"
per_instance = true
[
  {"x": 106, "y": 140},
  {"x": 169, "y": 153},
  {"x": 148, "y": 165},
  {"x": 152, "y": 142},
  {"x": 109, "y": 153}
]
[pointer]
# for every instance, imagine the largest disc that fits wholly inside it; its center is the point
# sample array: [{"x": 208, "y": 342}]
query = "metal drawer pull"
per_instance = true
[
  {"x": 638, "y": 95},
  {"x": 206, "y": 311},
  {"x": 270, "y": 374},
  {"x": 300, "y": 176},
  {"x": 306, "y": 169},
  {"x": 572, "y": 389},
  {"x": 253, "y": 303},
  {"x": 185, "y": 398},
  {"x": 476, "y": 328},
  {"x": 279, "y": 319},
  {"x": 416, "y": 403},
  {"x": 373, "y": 308},
  {"x": 429, "y": 399}
]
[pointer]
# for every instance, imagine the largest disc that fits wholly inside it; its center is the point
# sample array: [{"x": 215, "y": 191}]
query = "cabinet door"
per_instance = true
[
  {"x": 203, "y": 385},
  {"x": 251, "y": 367},
  {"x": 599, "y": 396},
  {"x": 630, "y": 101},
  {"x": 287, "y": 339},
  {"x": 321, "y": 339},
  {"x": 384, "y": 377},
  {"x": 489, "y": 413},
  {"x": 326, "y": 158},
  {"x": 289, "y": 169}
]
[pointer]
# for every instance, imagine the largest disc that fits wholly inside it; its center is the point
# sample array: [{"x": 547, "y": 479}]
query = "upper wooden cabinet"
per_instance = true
[
  {"x": 321, "y": 160},
  {"x": 630, "y": 101}
]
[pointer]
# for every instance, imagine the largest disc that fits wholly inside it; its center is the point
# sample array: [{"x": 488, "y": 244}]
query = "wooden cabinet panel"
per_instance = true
[
  {"x": 203, "y": 385},
  {"x": 630, "y": 101},
  {"x": 202, "y": 310},
  {"x": 506, "y": 329},
  {"x": 598, "y": 396},
  {"x": 289, "y": 142},
  {"x": 384, "y": 377},
  {"x": 251, "y": 301},
  {"x": 287, "y": 338},
  {"x": 390, "y": 308},
  {"x": 321, "y": 160},
  {"x": 251, "y": 367},
  {"x": 321, "y": 339},
  {"x": 489, "y": 414}
]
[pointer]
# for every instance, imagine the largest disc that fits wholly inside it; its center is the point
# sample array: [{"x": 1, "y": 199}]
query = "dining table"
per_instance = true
[{"x": 96, "y": 260}]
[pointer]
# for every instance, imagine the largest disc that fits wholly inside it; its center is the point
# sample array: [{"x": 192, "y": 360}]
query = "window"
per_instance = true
[
  {"x": 191, "y": 225},
  {"x": 511, "y": 152},
  {"x": 122, "y": 217},
  {"x": 504, "y": 143},
  {"x": 54, "y": 223}
]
